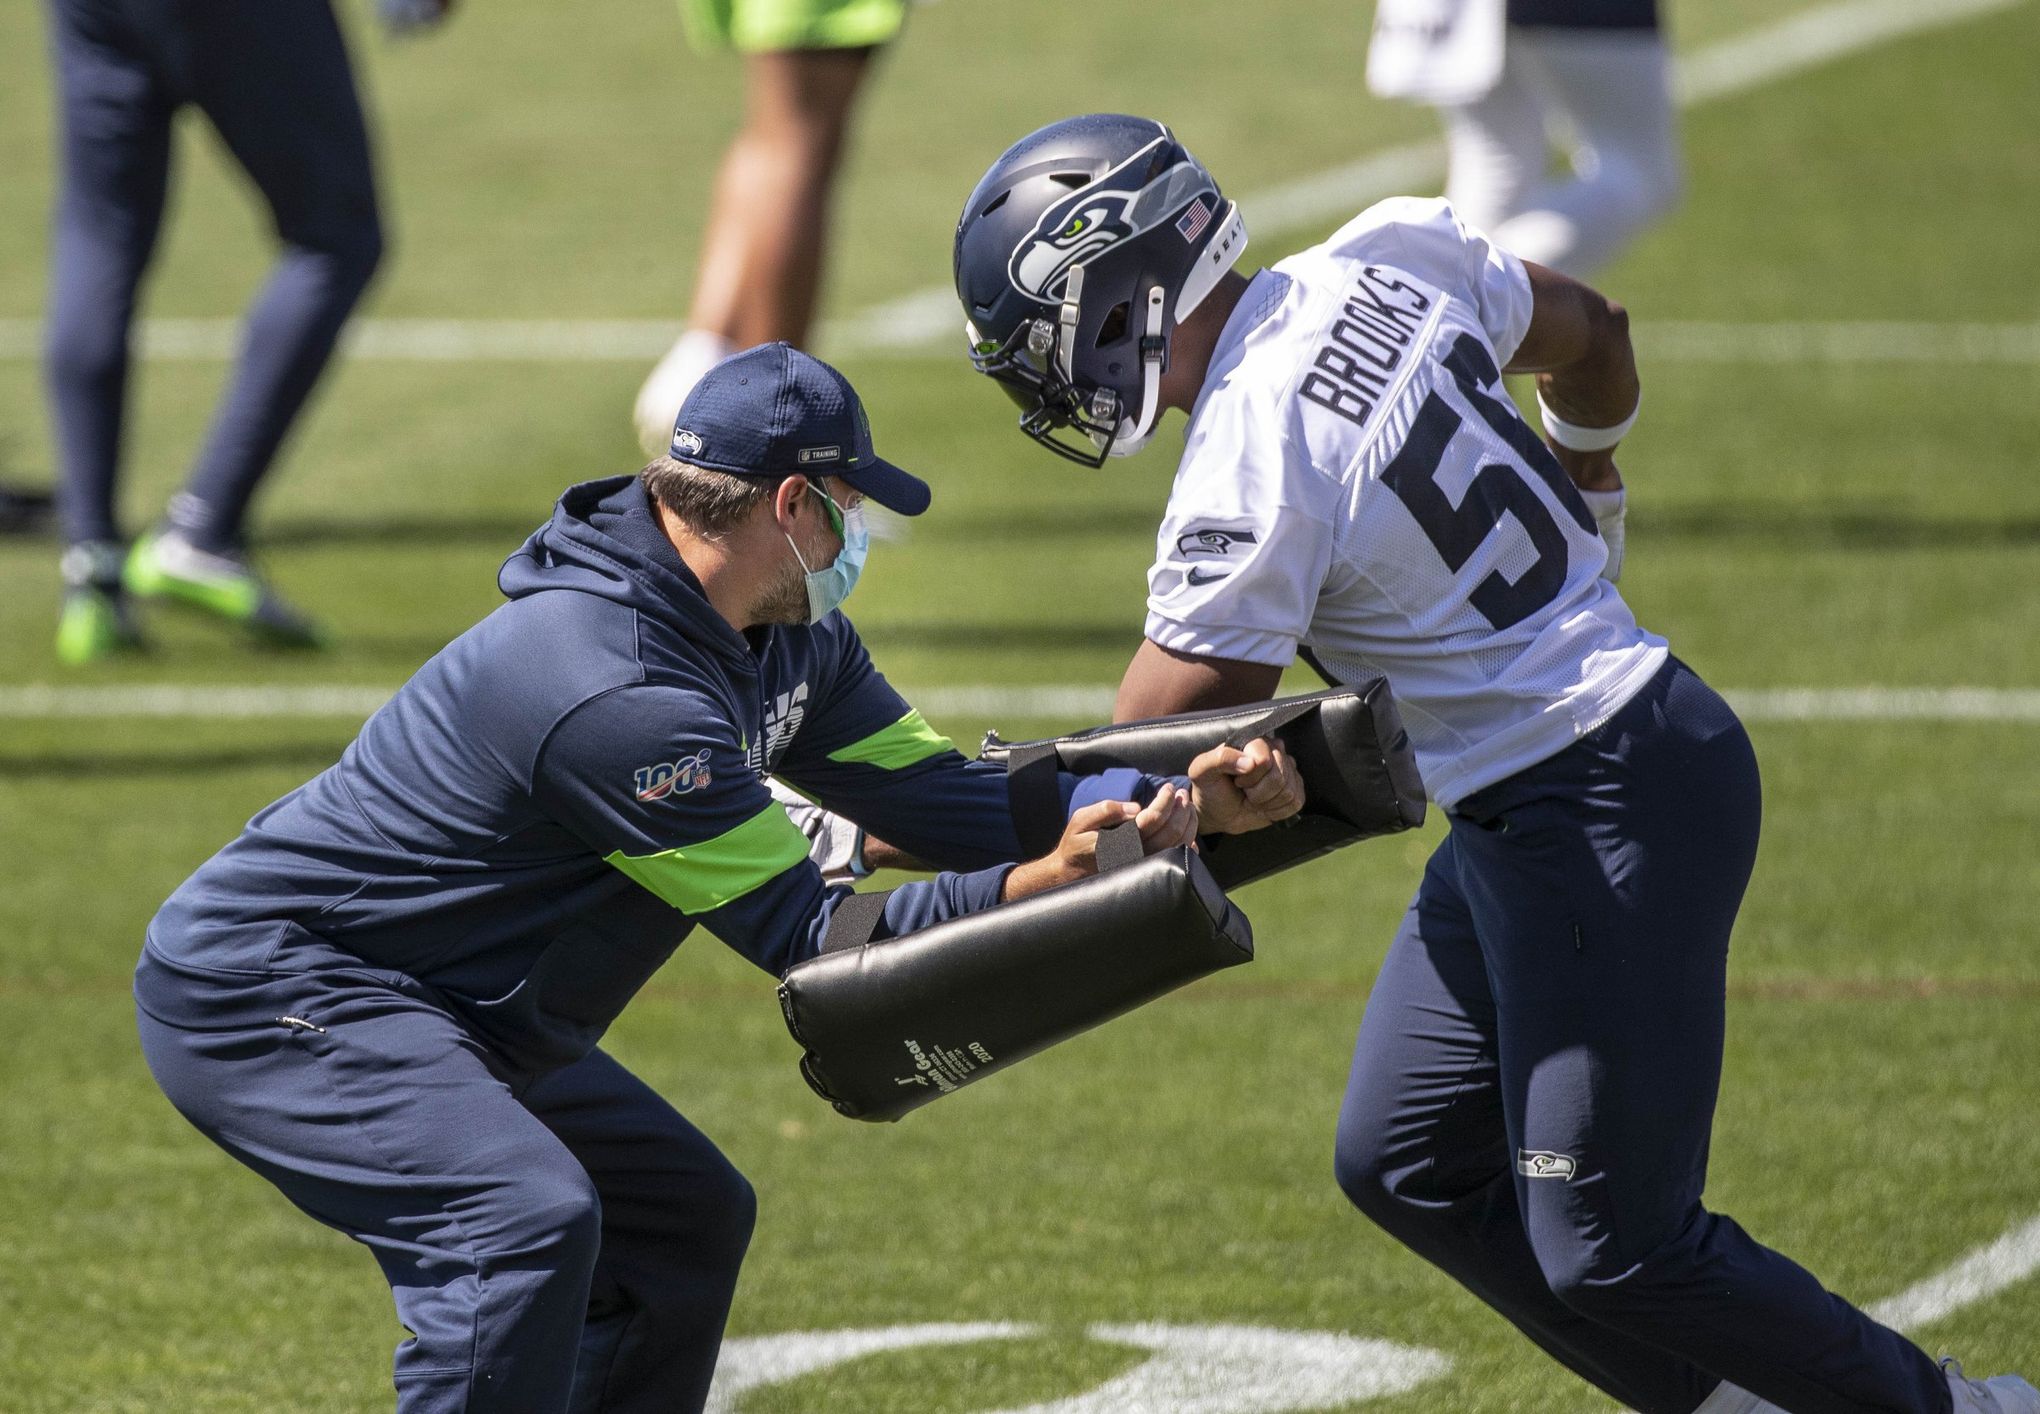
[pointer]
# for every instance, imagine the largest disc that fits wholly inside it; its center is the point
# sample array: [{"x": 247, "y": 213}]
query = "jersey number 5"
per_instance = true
[{"x": 1458, "y": 531}]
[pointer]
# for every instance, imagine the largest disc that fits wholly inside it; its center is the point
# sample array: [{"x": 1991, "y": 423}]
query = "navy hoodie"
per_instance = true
[{"x": 528, "y": 829}]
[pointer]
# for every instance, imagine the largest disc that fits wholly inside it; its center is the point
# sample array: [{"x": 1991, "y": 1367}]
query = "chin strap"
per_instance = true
[
  {"x": 1132, "y": 435},
  {"x": 1066, "y": 339}
]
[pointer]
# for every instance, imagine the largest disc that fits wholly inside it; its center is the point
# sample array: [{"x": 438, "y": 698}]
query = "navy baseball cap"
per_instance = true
[{"x": 775, "y": 411}]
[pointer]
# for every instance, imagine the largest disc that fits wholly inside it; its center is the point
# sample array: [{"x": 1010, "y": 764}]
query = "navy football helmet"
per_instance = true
[{"x": 1076, "y": 257}]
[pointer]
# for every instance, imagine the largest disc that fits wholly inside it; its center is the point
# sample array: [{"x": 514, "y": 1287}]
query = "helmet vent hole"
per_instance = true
[
  {"x": 1114, "y": 327},
  {"x": 995, "y": 203},
  {"x": 1072, "y": 180}
]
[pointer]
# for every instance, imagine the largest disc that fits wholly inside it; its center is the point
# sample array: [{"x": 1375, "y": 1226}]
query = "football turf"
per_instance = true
[{"x": 1825, "y": 525}]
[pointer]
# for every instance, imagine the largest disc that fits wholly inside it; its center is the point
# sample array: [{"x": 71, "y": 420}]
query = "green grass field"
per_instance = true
[{"x": 1794, "y": 525}]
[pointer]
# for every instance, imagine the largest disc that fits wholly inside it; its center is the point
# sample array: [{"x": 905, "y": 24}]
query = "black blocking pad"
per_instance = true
[{"x": 889, "y": 1026}]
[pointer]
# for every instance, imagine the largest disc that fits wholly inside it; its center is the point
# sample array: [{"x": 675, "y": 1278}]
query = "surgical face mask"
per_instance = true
[{"x": 828, "y": 587}]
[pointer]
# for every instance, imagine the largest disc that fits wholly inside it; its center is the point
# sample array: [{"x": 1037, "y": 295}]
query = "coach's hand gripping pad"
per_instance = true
[
  {"x": 889, "y": 1026},
  {"x": 1359, "y": 773}
]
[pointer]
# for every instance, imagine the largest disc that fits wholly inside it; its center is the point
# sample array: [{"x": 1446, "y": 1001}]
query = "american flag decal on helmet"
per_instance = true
[{"x": 1192, "y": 222}]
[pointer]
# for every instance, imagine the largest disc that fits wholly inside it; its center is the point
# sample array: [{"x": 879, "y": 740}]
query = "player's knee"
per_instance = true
[
  {"x": 85, "y": 350},
  {"x": 1373, "y": 1182},
  {"x": 1569, "y": 1266},
  {"x": 347, "y": 239},
  {"x": 359, "y": 249},
  {"x": 708, "y": 1214},
  {"x": 558, "y": 1214},
  {"x": 1641, "y": 187},
  {"x": 1660, "y": 186},
  {"x": 1607, "y": 1284},
  {"x": 732, "y": 1210}
]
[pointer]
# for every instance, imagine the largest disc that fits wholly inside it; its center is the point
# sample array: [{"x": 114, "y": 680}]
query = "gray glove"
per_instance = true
[{"x": 835, "y": 845}]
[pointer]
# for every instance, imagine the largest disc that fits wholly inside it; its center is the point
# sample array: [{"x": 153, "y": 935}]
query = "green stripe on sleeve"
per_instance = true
[
  {"x": 906, "y": 741},
  {"x": 710, "y": 874}
]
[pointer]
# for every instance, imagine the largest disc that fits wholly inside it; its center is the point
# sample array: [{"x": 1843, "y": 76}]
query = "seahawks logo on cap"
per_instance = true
[{"x": 686, "y": 444}]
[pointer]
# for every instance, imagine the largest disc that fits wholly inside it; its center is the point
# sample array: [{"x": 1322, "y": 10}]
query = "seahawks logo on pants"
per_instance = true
[{"x": 1542, "y": 1163}]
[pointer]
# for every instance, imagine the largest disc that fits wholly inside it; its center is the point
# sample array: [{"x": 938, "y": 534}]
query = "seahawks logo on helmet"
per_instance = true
[
  {"x": 1096, "y": 217},
  {"x": 1068, "y": 234}
]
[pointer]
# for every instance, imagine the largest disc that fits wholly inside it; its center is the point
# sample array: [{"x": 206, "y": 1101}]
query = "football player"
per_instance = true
[{"x": 1535, "y": 1076}]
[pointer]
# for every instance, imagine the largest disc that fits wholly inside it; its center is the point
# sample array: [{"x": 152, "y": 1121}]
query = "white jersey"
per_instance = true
[{"x": 1356, "y": 480}]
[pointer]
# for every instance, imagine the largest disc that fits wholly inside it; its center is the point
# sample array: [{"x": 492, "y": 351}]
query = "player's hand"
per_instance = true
[
  {"x": 1167, "y": 821},
  {"x": 1240, "y": 790}
]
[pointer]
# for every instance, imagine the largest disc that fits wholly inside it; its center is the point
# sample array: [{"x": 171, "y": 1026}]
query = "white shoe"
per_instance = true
[
  {"x": 669, "y": 383},
  {"x": 2001, "y": 1394}
]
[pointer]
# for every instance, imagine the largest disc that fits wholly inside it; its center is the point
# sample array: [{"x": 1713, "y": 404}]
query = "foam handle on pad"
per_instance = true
[{"x": 889, "y": 1026}]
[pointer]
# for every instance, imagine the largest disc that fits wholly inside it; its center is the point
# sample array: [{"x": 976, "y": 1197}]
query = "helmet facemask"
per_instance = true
[{"x": 1035, "y": 366}]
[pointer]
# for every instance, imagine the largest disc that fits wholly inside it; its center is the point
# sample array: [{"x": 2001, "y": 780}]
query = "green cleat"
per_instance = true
[
  {"x": 165, "y": 565},
  {"x": 94, "y": 625}
]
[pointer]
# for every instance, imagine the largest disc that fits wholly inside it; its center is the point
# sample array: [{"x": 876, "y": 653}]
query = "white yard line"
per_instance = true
[
  {"x": 1041, "y": 701},
  {"x": 1886, "y": 704},
  {"x": 1810, "y": 39},
  {"x": 1983, "y": 1273},
  {"x": 927, "y": 319},
  {"x": 1886, "y": 341}
]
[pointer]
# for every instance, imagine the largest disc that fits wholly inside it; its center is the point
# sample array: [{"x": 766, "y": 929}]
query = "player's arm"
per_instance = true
[
  {"x": 1237, "y": 573},
  {"x": 1162, "y": 681},
  {"x": 1578, "y": 346}
]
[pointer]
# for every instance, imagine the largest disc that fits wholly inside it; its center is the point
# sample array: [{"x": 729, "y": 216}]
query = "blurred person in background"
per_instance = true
[
  {"x": 805, "y": 63},
  {"x": 1510, "y": 77},
  {"x": 273, "y": 79}
]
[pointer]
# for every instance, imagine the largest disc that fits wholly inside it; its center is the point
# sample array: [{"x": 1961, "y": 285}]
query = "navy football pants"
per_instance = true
[
  {"x": 573, "y": 1246},
  {"x": 273, "y": 79},
  {"x": 1535, "y": 1078}
]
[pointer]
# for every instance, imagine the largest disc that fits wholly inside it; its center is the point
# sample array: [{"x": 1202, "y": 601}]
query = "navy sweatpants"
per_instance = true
[
  {"x": 1535, "y": 1078},
  {"x": 273, "y": 79},
  {"x": 570, "y": 1243}
]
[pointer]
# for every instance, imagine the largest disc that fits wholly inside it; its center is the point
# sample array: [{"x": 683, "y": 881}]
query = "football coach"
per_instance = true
[{"x": 385, "y": 995}]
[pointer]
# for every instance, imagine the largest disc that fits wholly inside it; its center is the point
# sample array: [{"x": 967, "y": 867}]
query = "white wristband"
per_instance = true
[
  {"x": 1576, "y": 438},
  {"x": 1607, "y": 508}
]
